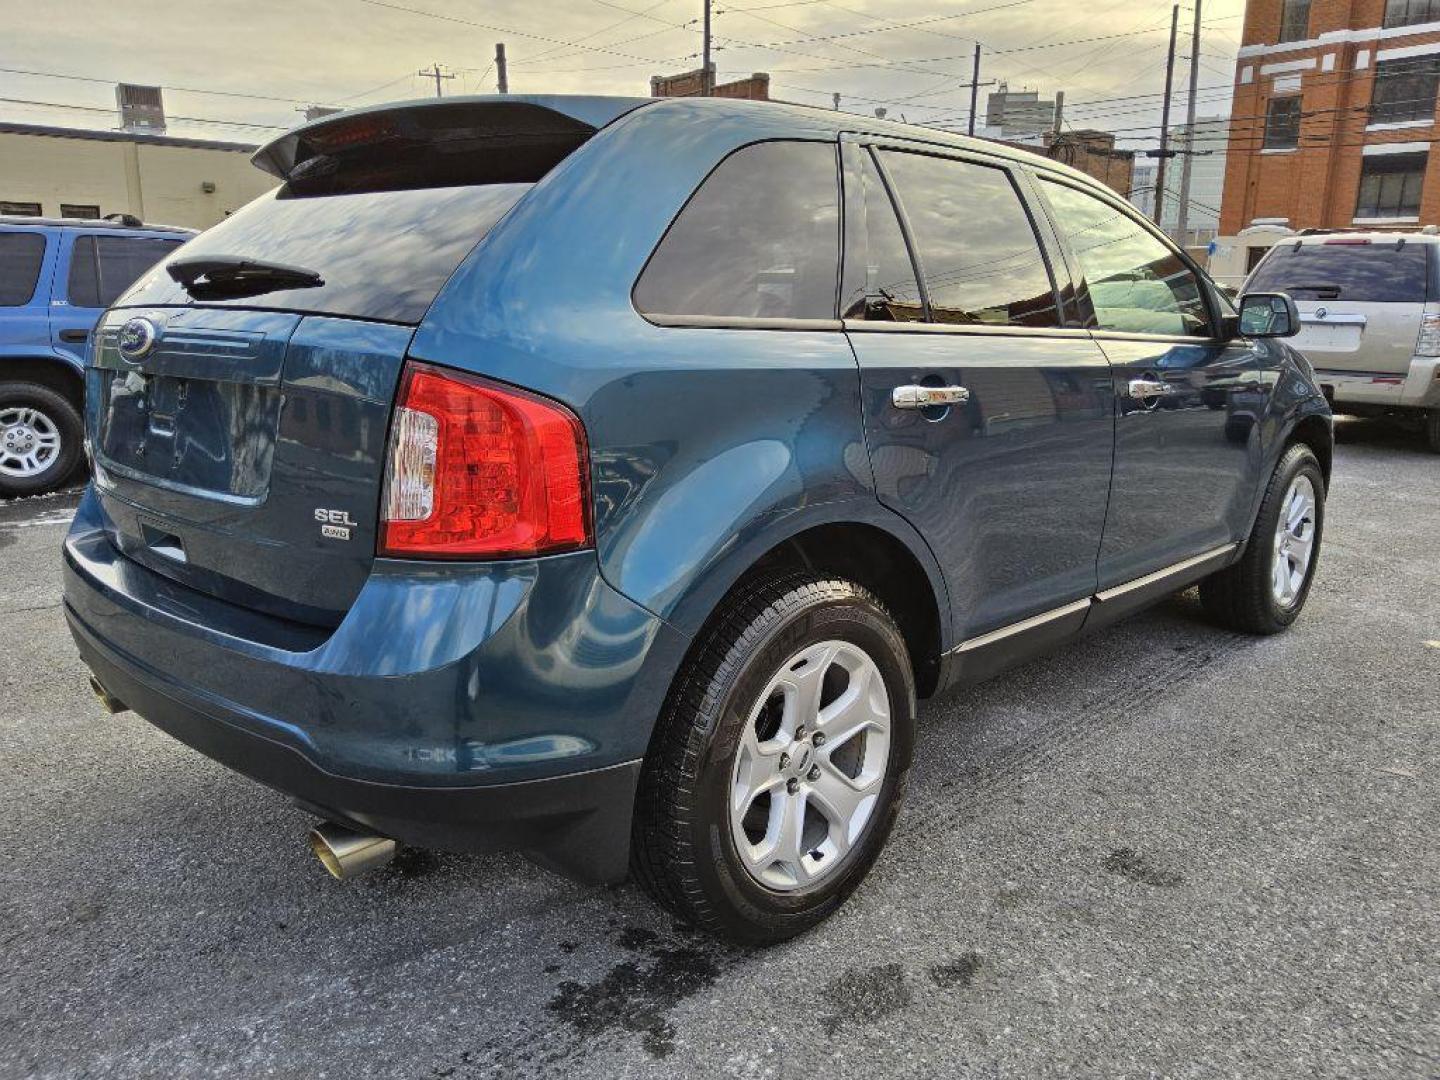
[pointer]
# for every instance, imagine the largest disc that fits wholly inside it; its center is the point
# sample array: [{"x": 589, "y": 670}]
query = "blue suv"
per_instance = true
[
  {"x": 606, "y": 479},
  {"x": 57, "y": 276}
]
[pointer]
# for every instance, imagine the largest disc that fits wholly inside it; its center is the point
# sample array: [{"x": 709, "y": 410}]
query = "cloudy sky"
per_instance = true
[{"x": 240, "y": 70}]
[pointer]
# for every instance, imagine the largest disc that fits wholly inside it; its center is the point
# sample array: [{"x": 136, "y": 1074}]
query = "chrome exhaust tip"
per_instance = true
[
  {"x": 347, "y": 853},
  {"x": 108, "y": 701}
]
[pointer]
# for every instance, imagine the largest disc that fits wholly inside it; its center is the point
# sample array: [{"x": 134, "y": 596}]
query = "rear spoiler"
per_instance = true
[{"x": 426, "y": 136}]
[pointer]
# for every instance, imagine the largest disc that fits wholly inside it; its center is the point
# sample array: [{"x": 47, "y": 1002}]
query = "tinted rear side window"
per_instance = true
[
  {"x": 83, "y": 286},
  {"x": 382, "y": 254},
  {"x": 101, "y": 268},
  {"x": 1377, "y": 273},
  {"x": 880, "y": 283},
  {"x": 124, "y": 258},
  {"x": 978, "y": 252},
  {"x": 20, "y": 257},
  {"x": 760, "y": 239}
]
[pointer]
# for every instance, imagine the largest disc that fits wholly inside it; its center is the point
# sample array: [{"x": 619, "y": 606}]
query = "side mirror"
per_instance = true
[{"x": 1267, "y": 315}]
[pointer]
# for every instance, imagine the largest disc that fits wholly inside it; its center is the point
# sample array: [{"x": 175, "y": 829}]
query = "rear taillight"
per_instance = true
[
  {"x": 478, "y": 470},
  {"x": 1428, "y": 343}
]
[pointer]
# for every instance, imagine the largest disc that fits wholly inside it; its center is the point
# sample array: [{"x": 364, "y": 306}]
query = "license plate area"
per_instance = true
[
  {"x": 1328, "y": 337},
  {"x": 191, "y": 434}
]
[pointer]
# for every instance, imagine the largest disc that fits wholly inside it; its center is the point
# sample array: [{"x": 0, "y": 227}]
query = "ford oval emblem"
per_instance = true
[
  {"x": 1320, "y": 313},
  {"x": 137, "y": 338}
]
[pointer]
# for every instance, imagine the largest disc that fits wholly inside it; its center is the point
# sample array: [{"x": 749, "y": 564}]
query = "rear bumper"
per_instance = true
[
  {"x": 1417, "y": 388},
  {"x": 471, "y": 709}
]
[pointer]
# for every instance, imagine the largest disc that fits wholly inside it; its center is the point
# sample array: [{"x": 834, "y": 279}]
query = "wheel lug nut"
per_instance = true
[
  {"x": 814, "y": 773},
  {"x": 819, "y": 739},
  {"x": 784, "y": 761},
  {"x": 800, "y": 732},
  {"x": 792, "y": 785}
]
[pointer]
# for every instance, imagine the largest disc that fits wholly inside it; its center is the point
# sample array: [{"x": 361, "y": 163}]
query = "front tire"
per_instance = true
[
  {"x": 1264, "y": 592},
  {"x": 1432, "y": 430},
  {"x": 779, "y": 762},
  {"x": 40, "y": 439}
]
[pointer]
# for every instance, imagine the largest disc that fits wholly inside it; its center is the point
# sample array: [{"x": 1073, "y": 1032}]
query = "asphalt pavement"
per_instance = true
[{"x": 1166, "y": 851}]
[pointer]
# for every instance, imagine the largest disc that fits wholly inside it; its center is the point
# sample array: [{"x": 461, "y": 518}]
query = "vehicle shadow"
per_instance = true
[{"x": 1380, "y": 432}]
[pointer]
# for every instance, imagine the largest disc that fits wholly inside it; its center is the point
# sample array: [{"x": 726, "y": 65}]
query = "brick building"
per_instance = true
[
  {"x": 1333, "y": 118},
  {"x": 691, "y": 84}
]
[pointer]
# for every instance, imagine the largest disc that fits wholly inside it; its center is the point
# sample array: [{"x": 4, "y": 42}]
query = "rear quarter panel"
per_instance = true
[{"x": 708, "y": 446}]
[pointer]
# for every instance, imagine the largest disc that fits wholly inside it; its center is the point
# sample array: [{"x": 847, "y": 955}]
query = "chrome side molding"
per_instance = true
[
  {"x": 1115, "y": 592},
  {"x": 1032, "y": 623},
  {"x": 1173, "y": 570}
]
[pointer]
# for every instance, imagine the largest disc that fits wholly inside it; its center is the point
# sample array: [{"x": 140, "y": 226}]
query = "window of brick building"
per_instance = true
[
  {"x": 87, "y": 211},
  {"x": 1390, "y": 185},
  {"x": 1282, "y": 123},
  {"x": 1410, "y": 12},
  {"x": 20, "y": 209},
  {"x": 1405, "y": 89},
  {"x": 1294, "y": 20}
]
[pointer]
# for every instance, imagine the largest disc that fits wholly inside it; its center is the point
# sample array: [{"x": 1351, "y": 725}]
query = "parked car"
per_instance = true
[
  {"x": 546, "y": 473},
  {"x": 57, "y": 276},
  {"x": 1369, "y": 307}
]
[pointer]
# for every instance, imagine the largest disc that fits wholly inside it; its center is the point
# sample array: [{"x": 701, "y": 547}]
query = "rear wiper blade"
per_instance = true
[
  {"x": 1332, "y": 291},
  {"x": 215, "y": 276}
]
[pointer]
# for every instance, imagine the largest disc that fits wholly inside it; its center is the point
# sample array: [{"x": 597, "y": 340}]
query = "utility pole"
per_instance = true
[
  {"x": 436, "y": 75},
  {"x": 1182, "y": 222},
  {"x": 502, "y": 77},
  {"x": 1165, "y": 119},
  {"x": 1059, "y": 111},
  {"x": 707, "y": 84},
  {"x": 974, "y": 90}
]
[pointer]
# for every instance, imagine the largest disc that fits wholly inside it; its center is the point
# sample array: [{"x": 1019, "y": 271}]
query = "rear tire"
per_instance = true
[
  {"x": 1432, "y": 429},
  {"x": 40, "y": 439},
  {"x": 727, "y": 792},
  {"x": 1264, "y": 592}
]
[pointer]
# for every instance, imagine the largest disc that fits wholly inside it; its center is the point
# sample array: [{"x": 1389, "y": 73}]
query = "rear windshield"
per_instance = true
[
  {"x": 382, "y": 254},
  {"x": 1378, "y": 273}
]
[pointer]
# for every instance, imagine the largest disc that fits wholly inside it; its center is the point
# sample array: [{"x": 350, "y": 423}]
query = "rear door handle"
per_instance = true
[
  {"x": 1147, "y": 389},
  {"x": 926, "y": 397}
]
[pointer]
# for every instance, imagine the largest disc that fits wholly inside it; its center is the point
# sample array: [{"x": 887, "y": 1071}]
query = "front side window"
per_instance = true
[
  {"x": 1294, "y": 20},
  {"x": 1282, "y": 123},
  {"x": 20, "y": 257},
  {"x": 1405, "y": 89},
  {"x": 1410, "y": 12},
  {"x": 1390, "y": 185},
  {"x": 880, "y": 284},
  {"x": 760, "y": 239},
  {"x": 978, "y": 253},
  {"x": 1135, "y": 283}
]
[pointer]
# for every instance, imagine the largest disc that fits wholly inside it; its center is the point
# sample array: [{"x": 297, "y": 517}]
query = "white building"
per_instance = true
[{"x": 1207, "y": 181}]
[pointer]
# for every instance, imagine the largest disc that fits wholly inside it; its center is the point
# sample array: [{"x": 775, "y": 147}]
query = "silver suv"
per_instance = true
[{"x": 1369, "y": 318}]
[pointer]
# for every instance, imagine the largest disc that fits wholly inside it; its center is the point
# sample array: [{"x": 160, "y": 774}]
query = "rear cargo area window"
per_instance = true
[
  {"x": 760, "y": 239},
  {"x": 1377, "y": 273},
  {"x": 380, "y": 254},
  {"x": 20, "y": 257}
]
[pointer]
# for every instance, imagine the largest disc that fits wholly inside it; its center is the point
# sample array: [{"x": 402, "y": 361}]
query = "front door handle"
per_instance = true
[
  {"x": 75, "y": 336},
  {"x": 1146, "y": 389},
  {"x": 926, "y": 397}
]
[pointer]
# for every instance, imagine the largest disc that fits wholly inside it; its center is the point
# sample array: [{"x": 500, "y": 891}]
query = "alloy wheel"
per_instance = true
[
  {"x": 29, "y": 441},
  {"x": 810, "y": 766},
  {"x": 1294, "y": 541}
]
